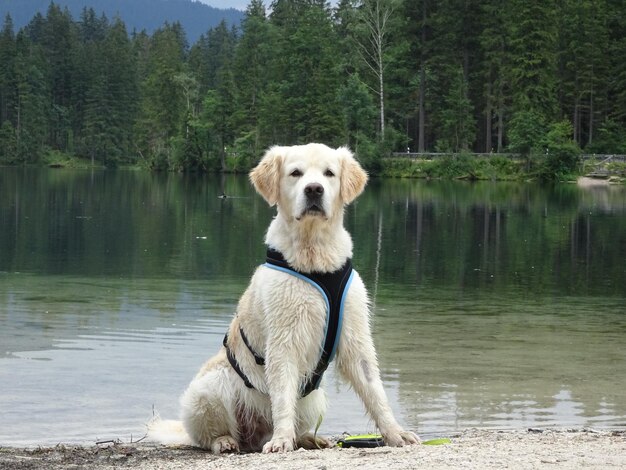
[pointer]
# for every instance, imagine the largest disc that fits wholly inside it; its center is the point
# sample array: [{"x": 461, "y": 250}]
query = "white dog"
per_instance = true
[{"x": 261, "y": 389}]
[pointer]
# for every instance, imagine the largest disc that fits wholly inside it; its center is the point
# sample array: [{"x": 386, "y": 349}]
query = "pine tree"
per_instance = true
[
  {"x": 450, "y": 55},
  {"x": 8, "y": 143},
  {"x": 457, "y": 129},
  {"x": 59, "y": 41},
  {"x": 8, "y": 53},
  {"x": 533, "y": 70},
  {"x": 359, "y": 113},
  {"x": 300, "y": 105},
  {"x": 493, "y": 40},
  {"x": 210, "y": 53},
  {"x": 162, "y": 108},
  {"x": 584, "y": 41},
  {"x": 417, "y": 30},
  {"x": 32, "y": 106},
  {"x": 122, "y": 89},
  {"x": 614, "y": 126},
  {"x": 250, "y": 67}
]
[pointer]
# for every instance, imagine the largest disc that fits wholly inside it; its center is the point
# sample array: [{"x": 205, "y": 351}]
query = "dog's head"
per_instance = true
[{"x": 309, "y": 180}]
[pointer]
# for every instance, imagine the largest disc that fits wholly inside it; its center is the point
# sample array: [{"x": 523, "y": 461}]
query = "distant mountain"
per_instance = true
[{"x": 195, "y": 17}]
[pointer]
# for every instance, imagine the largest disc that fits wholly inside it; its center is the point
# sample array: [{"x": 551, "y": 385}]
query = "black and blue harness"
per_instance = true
[{"x": 333, "y": 287}]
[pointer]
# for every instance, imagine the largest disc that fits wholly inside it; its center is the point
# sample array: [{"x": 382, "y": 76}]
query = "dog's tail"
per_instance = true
[{"x": 168, "y": 432}]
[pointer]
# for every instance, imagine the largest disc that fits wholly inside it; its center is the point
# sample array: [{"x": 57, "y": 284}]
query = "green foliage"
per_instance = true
[
  {"x": 456, "y": 119},
  {"x": 526, "y": 133},
  {"x": 562, "y": 153},
  {"x": 533, "y": 71},
  {"x": 8, "y": 143},
  {"x": 454, "y": 166},
  {"x": 244, "y": 153},
  {"x": 358, "y": 110},
  {"x": 610, "y": 138}
]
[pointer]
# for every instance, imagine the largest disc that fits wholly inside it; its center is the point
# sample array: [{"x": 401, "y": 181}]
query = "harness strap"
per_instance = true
[
  {"x": 257, "y": 358},
  {"x": 234, "y": 364}
]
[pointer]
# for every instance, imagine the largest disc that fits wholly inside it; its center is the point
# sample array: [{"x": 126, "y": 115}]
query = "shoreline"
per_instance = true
[{"x": 472, "y": 448}]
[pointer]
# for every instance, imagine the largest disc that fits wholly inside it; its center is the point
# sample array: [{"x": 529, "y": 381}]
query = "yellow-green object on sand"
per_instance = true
[{"x": 437, "y": 442}]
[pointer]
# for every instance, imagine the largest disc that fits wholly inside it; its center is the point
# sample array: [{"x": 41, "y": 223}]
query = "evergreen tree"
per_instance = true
[
  {"x": 8, "y": 143},
  {"x": 250, "y": 67},
  {"x": 211, "y": 53},
  {"x": 457, "y": 127},
  {"x": 584, "y": 39},
  {"x": 122, "y": 89},
  {"x": 417, "y": 30},
  {"x": 8, "y": 53},
  {"x": 359, "y": 113},
  {"x": 32, "y": 105},
  {"x": 300, "y": 104},
  {"x": 59, "y": 41},
  {"x": 533, "y": 69},
  {"x": 162, "y": 108},
  {"x": 616, "y": 25},
  {"x": 450, "y": 57},
  {"x": 494, "y": 64}
]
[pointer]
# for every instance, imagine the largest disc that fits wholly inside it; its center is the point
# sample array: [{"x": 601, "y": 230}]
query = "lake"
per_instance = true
[{"x": 496, "y": 305}]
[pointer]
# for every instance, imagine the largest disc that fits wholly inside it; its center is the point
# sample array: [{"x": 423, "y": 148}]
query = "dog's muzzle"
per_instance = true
[{"x": 314, "y": 193}]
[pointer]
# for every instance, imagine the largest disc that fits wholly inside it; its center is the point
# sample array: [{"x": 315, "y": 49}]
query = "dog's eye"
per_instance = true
[
  {"x": 295, "y": 173},
  {"x": 329, "y": 173}
]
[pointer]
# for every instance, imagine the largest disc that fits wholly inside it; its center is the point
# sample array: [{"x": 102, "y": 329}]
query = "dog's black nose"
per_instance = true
[{"x": 314, "y": 189}]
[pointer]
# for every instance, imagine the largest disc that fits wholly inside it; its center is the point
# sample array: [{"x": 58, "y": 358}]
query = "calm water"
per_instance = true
[{"x": 496, "y": 305}]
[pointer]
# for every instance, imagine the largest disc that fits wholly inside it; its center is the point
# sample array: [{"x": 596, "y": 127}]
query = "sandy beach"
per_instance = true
[{"x": 471, "y": 449}]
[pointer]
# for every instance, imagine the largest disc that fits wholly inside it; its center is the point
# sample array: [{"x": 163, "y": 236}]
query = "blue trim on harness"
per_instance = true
[{"x": 343, "y": 300}]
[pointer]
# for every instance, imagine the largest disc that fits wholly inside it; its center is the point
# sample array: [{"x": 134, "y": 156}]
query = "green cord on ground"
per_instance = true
[{"x": 437, "y": 442}]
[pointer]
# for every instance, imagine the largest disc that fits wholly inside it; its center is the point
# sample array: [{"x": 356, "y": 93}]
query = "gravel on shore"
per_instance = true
[{"x": 470, "y": 449}]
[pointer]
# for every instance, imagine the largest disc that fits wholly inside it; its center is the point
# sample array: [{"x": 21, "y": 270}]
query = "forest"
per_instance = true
[{"x": 382, "y": 76}]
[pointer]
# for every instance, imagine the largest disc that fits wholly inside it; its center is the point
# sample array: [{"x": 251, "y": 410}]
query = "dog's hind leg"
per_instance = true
[
  {"x": 224, "y": 445},
  {"x": 311, "y": 410},
  {"x": 208, "y": 413},
  {"x": 309, "y": 441}
]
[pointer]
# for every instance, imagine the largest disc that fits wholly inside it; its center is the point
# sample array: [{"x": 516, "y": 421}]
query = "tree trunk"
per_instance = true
[
  {"x": 422, "y": 115},
  {"x": 500, "y": 127},
  {"x": 590, "y": 138},
  {"x": 488, "y": 116},
  {"x": 575, "y": 121},
  {"x": 381, "y": 87}
]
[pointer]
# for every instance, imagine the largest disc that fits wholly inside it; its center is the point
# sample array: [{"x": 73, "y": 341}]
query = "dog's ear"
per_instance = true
[
  {"x": 266, "y": 175},
  {"x": 353, "y": 177}
]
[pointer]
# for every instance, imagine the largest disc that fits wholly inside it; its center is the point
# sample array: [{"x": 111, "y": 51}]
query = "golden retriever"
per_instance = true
[{"x": 249, "y": 396}]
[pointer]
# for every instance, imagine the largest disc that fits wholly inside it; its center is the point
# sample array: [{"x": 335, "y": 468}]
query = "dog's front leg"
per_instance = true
[
  {"x": 283, "y": 386},
  {"x": 357, "y": 363}
]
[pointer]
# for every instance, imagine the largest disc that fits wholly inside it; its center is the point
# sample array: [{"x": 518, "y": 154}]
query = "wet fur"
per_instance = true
[{"x": 284, "y": 319}]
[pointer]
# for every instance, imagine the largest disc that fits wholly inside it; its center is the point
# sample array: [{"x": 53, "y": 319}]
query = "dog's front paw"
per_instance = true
[
  {"x": 279, "y": 444},
  {"x": 401, "y": 438}
]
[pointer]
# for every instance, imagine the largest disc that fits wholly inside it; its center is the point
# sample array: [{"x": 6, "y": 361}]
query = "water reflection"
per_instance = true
[
  {"x": 505, "y": 362},
  {"x": 494, "y": 236},
  {"x": 497, "y": 305}
]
